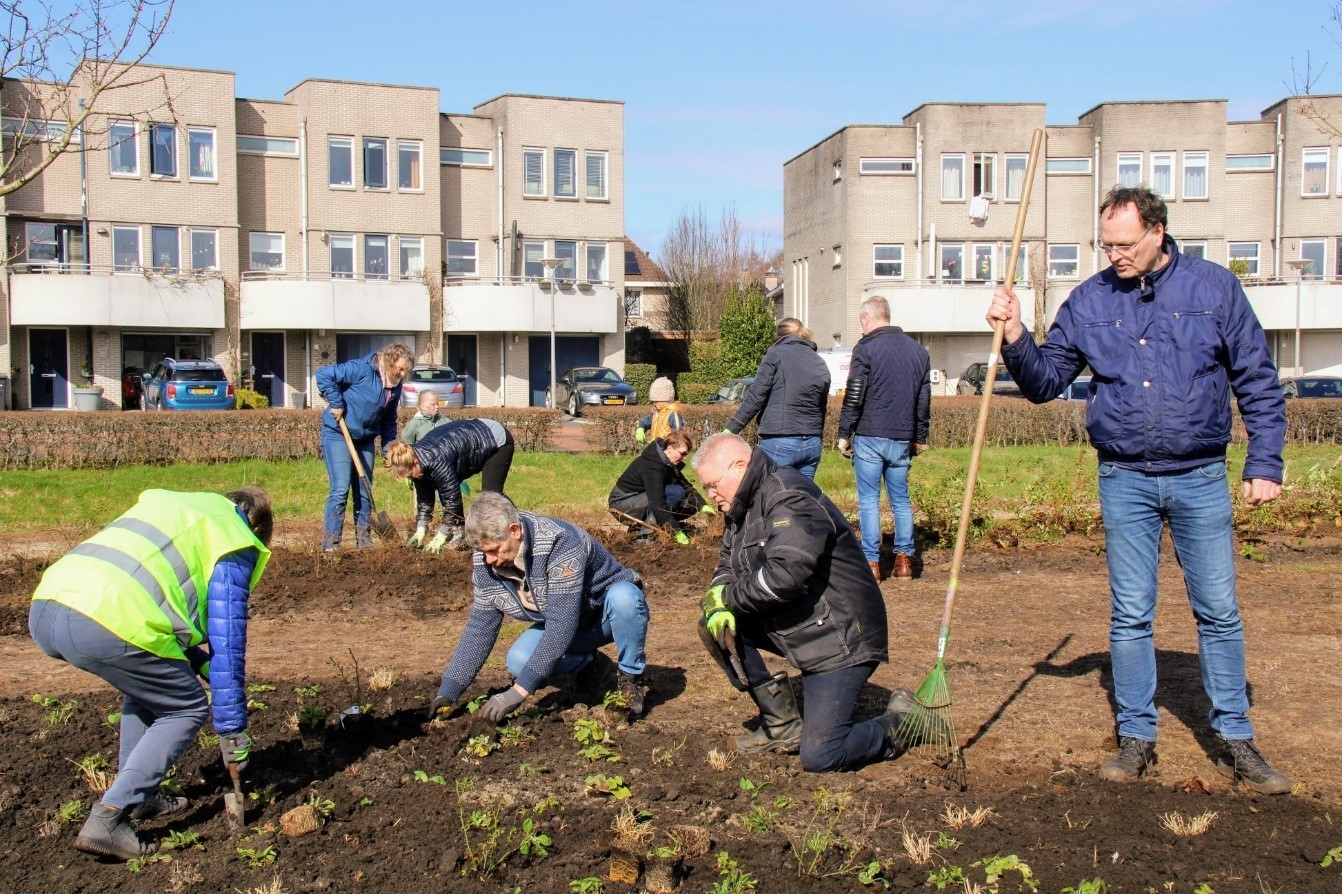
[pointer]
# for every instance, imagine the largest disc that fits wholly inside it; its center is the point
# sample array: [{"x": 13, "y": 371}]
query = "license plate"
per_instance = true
[
  {"x": 614, "y": 400},
  {"x": 202, "y": 391}
]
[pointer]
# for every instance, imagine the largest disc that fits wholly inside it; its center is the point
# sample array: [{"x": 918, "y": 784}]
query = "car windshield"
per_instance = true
[
  {"x": 1320, "y": 387},
  {"x": 599, "y": 376},
  {"x": 441, "y": 374},
  {"x": 1003, "y": 374},
  {"x": 198, "y": 375}
]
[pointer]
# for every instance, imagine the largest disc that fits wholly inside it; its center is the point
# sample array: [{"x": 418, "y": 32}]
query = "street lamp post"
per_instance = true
[
  {"x": 1299, "y": 265},
  {"x": 550, "y": 265}
]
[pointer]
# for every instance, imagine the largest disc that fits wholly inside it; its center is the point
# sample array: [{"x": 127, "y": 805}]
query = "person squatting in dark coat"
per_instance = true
[{"x": 653, "y": 489}]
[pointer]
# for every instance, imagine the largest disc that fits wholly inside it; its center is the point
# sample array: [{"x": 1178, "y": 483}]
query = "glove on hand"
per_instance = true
[
  {"x": 500, "y": 706},
  {"x": 200, "y": 662},
  {"x": 718, "y": 616},
  {"x": 727, "y": 431},
  {"x": 682, "y": 538},
  {"x": 640, "y": 434},
  {"x": 409, "y": 483},
  {"x": 236, "y": 749},
  {"x": 439, "y": 705},
  {"x": 436, "y": 545},
  {"x": 845, "y": 448},
  {"x": 417, "y": 538},
  {"x": 465, "y": 489},
  {"x": 708, "y": 509}
]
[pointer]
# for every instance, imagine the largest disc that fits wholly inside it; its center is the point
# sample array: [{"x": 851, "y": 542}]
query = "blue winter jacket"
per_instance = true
[
  {"x": 896, "y": 401},
  {"x": 356, "y": 387},
  {"x": 1166, "y": 351},
  {"x": 226, "y": 633}
]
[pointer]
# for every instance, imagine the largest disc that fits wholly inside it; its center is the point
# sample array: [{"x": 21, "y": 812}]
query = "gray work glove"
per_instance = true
[
  {"x": 440, "y": 706},
  {"x": 501, "y": 705},
  {"x": 236, "y": 749}
]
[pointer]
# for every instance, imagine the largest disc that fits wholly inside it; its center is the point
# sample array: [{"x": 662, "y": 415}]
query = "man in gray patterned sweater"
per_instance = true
[{"x": 576, "y": 596}]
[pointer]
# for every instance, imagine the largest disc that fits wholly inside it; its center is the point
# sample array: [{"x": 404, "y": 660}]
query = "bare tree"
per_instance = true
[
  {"x": 61, "y": 70},
  {"x": 1303, "y": 81}
]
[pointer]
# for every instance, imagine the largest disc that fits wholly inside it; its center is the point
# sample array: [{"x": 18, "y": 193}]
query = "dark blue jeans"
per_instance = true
[
  {"x": 344, "y": 483},
  {"x": 796, "y": 452}
]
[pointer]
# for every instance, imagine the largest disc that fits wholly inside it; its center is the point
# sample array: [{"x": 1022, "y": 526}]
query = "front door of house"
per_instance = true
[
  {"x": 49, "y": 369},
  {"x": 268, "y": 366},
  {"x": 461, "y": 356}
]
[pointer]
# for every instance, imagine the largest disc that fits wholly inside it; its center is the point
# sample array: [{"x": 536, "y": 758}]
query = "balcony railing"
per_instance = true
[
  {"x": 457, "y": 279},
  {"x": 288, "y": 300},
  {"x": 105, "y": 295}
]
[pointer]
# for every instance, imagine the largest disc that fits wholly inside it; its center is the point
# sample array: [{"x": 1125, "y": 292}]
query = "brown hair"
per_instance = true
[
  {"x": 396, "y": 352},
  {"x": 792, "y": 326},
  {"x": 254, "y": 502},
  {"x": 680, "y": 440},
  {"x": 1150, "y": 206},
  {"x": 401, "y": 458}
]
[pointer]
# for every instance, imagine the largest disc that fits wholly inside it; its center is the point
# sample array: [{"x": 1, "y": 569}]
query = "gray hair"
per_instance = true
[
  {"x": 721, "y": 443},
  {"x": 877, "y": 308},
  {"x": 488, "y": 519}
]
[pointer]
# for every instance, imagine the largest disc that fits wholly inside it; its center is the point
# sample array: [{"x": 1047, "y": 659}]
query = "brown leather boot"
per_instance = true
[
  {"x": 903, "y": 567},
  {"x": 875, "y": 570}
]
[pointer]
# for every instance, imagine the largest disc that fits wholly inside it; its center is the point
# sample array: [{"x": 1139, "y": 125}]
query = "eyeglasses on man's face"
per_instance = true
[
  {"x": 716, "y": 482},
  {"x": 1126, "y": 250}
]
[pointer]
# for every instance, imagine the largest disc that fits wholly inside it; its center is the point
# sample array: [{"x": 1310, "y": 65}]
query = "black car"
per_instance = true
[
  {"x": 592, "y": 386},
  {"x": 1312, "y": 386}
]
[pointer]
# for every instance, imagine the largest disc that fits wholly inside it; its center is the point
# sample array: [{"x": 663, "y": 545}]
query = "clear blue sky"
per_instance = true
[{"x": 719, "y": 94}]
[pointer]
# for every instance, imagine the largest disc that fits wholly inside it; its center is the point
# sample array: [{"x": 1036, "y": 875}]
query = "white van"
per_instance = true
[{"x": 838, "y": 361}]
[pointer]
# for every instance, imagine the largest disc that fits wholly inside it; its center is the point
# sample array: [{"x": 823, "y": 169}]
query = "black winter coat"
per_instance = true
[
  {"x": 795, "y": 573},
  {"x": 789, "y": 394},
  {"x": 448, "y": 456},
  {"x": 649, "y": 474},
  {"x": 896, "y": 400}
]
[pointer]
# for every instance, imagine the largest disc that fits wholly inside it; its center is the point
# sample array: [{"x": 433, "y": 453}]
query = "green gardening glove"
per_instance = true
[
  {"x": 417, "y": 539},
  {"x": 465, "y": 489},
  {"x": 436, "y": 545},
  {"x": 682, "y": 538},
  {"x": 708, "y": 509},
  {"x": 640, "y": 434},
  {"x": 720, "y": 618}
]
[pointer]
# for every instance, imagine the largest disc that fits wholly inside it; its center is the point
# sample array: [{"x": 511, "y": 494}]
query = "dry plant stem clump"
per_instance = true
[
  {"x": 720, "y": 761},
  {"x": 958, "y": 817},
  {"x": 1187, "y": 826},
  {"x": 917, "y": 847}
]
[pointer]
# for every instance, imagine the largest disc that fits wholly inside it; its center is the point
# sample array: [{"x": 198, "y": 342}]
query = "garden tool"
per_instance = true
[
  {"x": 381, "y": 524},
  {"x": 234, "y": 802},
  {"x": 929, "y": 723},
  {"x": 660, "y": 532}
]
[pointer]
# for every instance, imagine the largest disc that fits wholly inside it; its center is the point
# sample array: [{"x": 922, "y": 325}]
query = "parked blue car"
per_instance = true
[{"x": 186, "y": 385}]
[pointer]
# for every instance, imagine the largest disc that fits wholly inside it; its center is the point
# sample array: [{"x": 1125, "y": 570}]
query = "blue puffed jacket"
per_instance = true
[
  {"x": 356, "y": 387},
  {"x": 226, "y": 627},
  {"x": 1166, "y": 351}
]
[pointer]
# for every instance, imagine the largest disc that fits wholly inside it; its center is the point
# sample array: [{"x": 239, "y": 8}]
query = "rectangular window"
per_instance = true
[
  {"x": 375, "y": 257},
  {"x": 204, "y": 250},
  {"x": 1263, "y": 162},
  {"x": 888, "y": 261},
  {"x": 984, "y": 261},
  {"x": 838, "y": 256},
  {"x": 953, "y": 178},
  {"x": 126, "y": 249},
  {"x": 1015, "y": 176},
  {"x": 1022, "y": 262},
  {"x": 566, "y": 174},
  {"x": 1314, "y": 171},
  {"x": 882, "y": 166},
  {"x": 374, "y": 163},
  {"x": 462, "y": 259},
  {"x": 633, "y": 302},
  {"x": 409, "y": 167},
  {"x": 985, "y": 175},
  {"x": 567, "y": 252},
  {"x": 1129, "y": 168},
  {"x": 1064, "y": 261},
  {"x": 123, "y": 150},
  {"x": 1315, "y": 251},
  {"x": 286, "y": 147},
  {"x": 166, "y": 247},
  {"x": 533, "y": 172},
  {"x": 162, "y": 150},
  {"x": 340, "y": 162},
  {"x": 342, "y": 257},
  {"x": 596, "y": 263},
  {"x": 952, "y": 263},
  {"x": 1195, "y": 175},
  {"x": 1162, "y": 174},
  {"x": 1067, "y": 166},
  {"x": 267, "y": 251},
  {"x": 1246, "y": 252},
  {"x": 1337, "y": 258},
  {"x": 597, "y": 168},
  {"x": 838, "y": 169},
  {"x": 200, "y": 148},
  {"x": 42, "y": 244},
  {"x": 532, "y": 252},
  {"x": 466, "y": 158},
  {"x": 412, "y": 257},
  {"x": 1194, "y": 249}
]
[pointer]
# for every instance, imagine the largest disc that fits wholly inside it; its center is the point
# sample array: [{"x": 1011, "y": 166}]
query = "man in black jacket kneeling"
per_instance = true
[
  {"x": 792, "y": 580},
  {"x": 653, "y": 489}
]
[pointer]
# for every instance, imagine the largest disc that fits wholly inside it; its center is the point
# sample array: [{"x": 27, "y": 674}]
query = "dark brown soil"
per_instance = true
[{"x": 1029, "y": 669}]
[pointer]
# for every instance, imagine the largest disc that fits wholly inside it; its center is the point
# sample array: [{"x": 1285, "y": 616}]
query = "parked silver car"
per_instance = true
[{"x": 442, "y": 379}]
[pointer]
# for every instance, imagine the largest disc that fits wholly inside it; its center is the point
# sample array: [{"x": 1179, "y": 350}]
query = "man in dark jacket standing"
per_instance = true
[
  {"x": 1168, "y": 338},
  {"x": 654, "y": 490},
  {"x": 791, "y": 580},
  {"x": 887, "y": 407}
]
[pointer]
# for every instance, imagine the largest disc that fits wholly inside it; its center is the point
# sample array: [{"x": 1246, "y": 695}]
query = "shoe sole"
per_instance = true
[
  {"x": 98, "y": 850},
  {"x": 1120, "y": 776},
  {"x": 1263, "y": 788}
]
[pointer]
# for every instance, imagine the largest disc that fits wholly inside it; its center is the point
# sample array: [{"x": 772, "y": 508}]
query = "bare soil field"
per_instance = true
[{"x": 460, "y": 806}]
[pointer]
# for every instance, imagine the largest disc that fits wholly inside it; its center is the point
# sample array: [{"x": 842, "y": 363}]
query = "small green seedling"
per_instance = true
[
  {"x": 256, "y": 857},
  {"x": 207, "y": 740},
  {"x": 480, "y": 746},
  {"x": 598, "y": 753},
  {"x": 996, "y": 867},
  {"x": 71, "y": 812},
  {"x": 731, "y": 880},
  {"x": 364, "y": 802},
  {"x": 601, "y": 784},
  {"x": 589, "y": 732},
  {"x": 113, "y": 720},
  {"x": 1093, "y": 886},
  {"x": 58, "y": 712},
  {"x": 183, "y": 841},
  {"x": 322, "y": 808},
  {"x": 257, "y": 688},
  {"x": 871, "y": 875},
  {"x": 308, "y": 691},
  {"x": 437, "y": 779},
  {"x": 138, "y": 864},
  {"x": 475, "y": 704},
  {"x": 590, "y": 885},
  {"x": 945, "y": 877},
  {"x": 752, "y": 788},
  {"x": 311, "y": 718},
  {"x": 1333, "y": 856},
  {"x": 264, "y": 795},
  {"x": 513, "y": 736}
]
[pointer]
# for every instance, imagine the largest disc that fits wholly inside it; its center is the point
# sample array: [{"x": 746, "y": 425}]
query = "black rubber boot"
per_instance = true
[
  {"x": 1134, "y": 758},
  {"x": 780, "y": 721},
  {"x": 107, "y": 833}
]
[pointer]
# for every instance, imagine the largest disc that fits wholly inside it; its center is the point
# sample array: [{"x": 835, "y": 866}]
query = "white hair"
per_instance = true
[{"x": 723, "y": 444}]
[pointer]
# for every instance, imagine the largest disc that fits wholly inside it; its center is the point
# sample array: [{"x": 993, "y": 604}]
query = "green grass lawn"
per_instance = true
[{"x": 1010, "y": 478}]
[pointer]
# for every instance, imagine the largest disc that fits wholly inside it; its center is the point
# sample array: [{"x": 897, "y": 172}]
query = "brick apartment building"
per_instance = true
[
  {"x": 922, "y": 212},
  {"x": 278, "y": 236}
]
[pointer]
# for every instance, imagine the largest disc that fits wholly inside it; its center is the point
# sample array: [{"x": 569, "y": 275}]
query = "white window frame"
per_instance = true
[
  {"x": 987, "y": 160},
  {"x": 573, "y": 187},
  {"x": 886, "y": 166},
  {"x": 29, "y": 242},
  {"x": 278, "y": 147},
  {"x": 1167, "y": 160},
  {"x": 177, "y": 243},
  {"x": 977, "y": 251},
  {"x": 1129, "y": 160},
  {"x": 370, "y": 143},
  {"x": 1010, "y": 159},
  {"x": 460, "y": 156},
  {"x": 176, "y": 162},
  {"x": 1319, "y": 270},
  {"x": 251, "y": 251},
  {"x": 214, "y": 245},
  {"x": 1255, "y": 261},
  {"x": 347, "y": 144},
  {"x": 897, "y": 261},
  {"x": 567, "y": 251},
  {"x": 139, "y": 250},
  {"x": 342, "y": 240},
  {"x": 191, "y": 156},
  {"x": 601, "y": 250},
  {"x": 368, "y": 257},
  {"x": 1057, "y": 262},
  {"x": 403, "y": 243},
  {"x": 952, "y": 156},
  {"x": 532, "y": 252},
  {"x": 462, "y": 256},
  {"x": 1193, "y": 161},
  {"x": 1238, "y": 163},
  {"x": 1339, "y": 170},
  {"x": 133, "y": 139},
  {"x": 633, "y": 302},
  {"x": 416, "y": 148},
  {"x": 838, "y": 169},
  {"x": 1067, "y": 166},
  {"x": 1323, "y": 152},
  {"x": 533, "y": 189},
  {"x": 1184, "y": 248},
  {"x": 599, "y": 192},
  {"x": 956, "y": 249}
]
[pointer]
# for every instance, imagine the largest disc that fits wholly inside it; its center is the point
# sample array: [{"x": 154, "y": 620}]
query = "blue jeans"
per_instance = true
[
  {"x": 344, "y": 482},
  {"x": 1196, "y": 503},
  {"x": 624, "y": 621},
  {"x": 875, "y": 459},
  {"x": 802, "y": 454}
]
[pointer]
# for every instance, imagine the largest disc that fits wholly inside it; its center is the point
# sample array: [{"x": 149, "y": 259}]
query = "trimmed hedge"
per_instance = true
[{"x": 104, "y": 440}]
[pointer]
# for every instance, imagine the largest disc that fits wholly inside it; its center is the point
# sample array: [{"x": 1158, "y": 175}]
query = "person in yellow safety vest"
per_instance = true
[
  {"x": 665, "y": 416},
  {"x": 154, "y": 599}
]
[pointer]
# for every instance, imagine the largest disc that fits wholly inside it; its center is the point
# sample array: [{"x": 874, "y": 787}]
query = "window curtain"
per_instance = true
[{"x": 952, "y": 179}]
